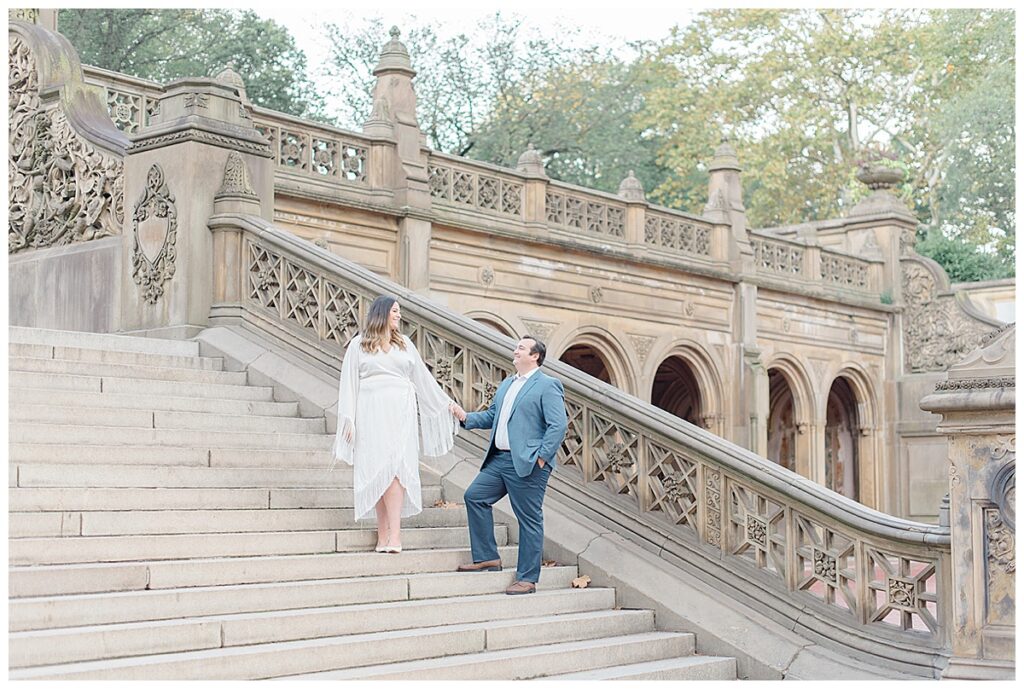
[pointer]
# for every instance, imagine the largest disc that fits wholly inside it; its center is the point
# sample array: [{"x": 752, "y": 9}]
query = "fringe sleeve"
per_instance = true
[
  {"x": 348, "y": 394},
  {"x": 437, "y": 425}
]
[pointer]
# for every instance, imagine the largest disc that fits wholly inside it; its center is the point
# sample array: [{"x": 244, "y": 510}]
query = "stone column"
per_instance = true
[
  {"x": 531, "y": 164},
  {"x": 632, "y": 192},
  {"x": 394, "y": 101},
  {"x": 174, "y": 169},
  {"x": 725, "y": 206},
  {"x": 977, "y": 407}
]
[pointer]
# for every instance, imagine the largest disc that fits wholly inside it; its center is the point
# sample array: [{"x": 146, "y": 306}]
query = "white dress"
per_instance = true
[{"x": 380, "y": 395}]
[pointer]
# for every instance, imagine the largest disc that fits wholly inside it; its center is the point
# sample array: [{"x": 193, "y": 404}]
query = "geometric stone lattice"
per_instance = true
[
  {"x": 341, "y": 314},
  {"x": 487, "y": 376},
  {"x": 264, "y": 277},
  {"x": 757, "y": 529},
  {"x": 826, "y": 564},
  {"x": 613, "y": 451},
  {"x": 446, "y": 361},
  {"x": 672, "y": 484},
  {"x": 570, "y": 454},
  {"x": 903, "y": 592}
]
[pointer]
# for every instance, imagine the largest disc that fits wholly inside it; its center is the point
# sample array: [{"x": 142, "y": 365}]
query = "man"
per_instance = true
[{"x": 527, "y": 422}]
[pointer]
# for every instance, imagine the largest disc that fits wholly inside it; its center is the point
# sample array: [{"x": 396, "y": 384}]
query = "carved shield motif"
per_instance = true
[{"x": 154, "y": 226}]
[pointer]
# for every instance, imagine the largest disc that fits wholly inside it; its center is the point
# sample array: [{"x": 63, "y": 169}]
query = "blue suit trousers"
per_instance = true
[{"x": 498, "y": 478}]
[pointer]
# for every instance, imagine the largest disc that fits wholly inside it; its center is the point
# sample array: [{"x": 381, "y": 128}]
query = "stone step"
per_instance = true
[
  {"x": 244, "y": 458},
  {"x": 143, "y": 522},
  {"x": 141, "y": 418},
  {"x": 706, "y": 668},
  {"x": 119, "y": 476},
  {"x": 67, "y": 550},
  {"x": 124, "y": 499},
  {"x": 22, "y": 432},
  {"x": 84, "y": 340},
  {"x": 150, "y": 605},
  {"x": 108, "y": 400},
  {"x": 108, "y": 356},
  {"x": 525, "y": 663},
  {"x": 316, "y": 655},
  {"x": 18, "y": 380},
  {"x": 135, "y": 372},
  {"x": 216, "y": 573},
  {"x": 109, "y": 640}
]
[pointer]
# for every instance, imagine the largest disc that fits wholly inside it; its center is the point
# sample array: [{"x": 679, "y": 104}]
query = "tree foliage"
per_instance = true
[{"x": 163, "y": 45}]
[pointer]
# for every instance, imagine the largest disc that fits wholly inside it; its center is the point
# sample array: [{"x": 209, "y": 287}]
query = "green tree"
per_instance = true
[
  {"x": 163, "y": 45},
  {"x": 962, "y": 261}
]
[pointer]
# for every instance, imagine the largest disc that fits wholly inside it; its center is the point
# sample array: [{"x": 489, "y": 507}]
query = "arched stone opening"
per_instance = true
[
  {"x": 783, "y": 425},
  {"x": 493, "y": 325},
  {"x": 677, "y": 391},
  {"x": 842, "y": 440},
  {"x": 589, "y": 360}
]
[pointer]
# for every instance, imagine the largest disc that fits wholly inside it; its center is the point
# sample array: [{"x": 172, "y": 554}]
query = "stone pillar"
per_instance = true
[
  {"x": 394, "y": 101},
  {"x": 534, "y": 207},
  {"x": 751, "y": 399},
  {"x": 174, "y": 170},
  {"x": 725, "y": 206},
  {"x": 632, "y": 192},
  {"x": 977, "y": 407}
]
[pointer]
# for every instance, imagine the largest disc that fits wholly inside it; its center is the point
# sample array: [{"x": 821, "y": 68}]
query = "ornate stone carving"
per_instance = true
[
  {"x": 261, "y": 149},
  {"x": 236, "y": 179},
  {"x": 153, "y": 245},
  {"x": 60, "y": 188},
  {"x": 976, "y": 384},
  {"x": 196, "y": 100},
  {"x": 487, "y": 276},
  {"x": 778, "y": 257},
  {"x": 757, "y": 531},
  {"x": 539, "y": 329},
  {"x": 642, "y": 345},
  {"x": 999, "y": 543},
  {"x": 677, "y": 234},
  {"x": 618, "y": 457},
  {"x": 688, "y": 308},
  {"x": 824, "y": 566},
  {"x": 23, "y": 14},
  {"x": 713, "y": 507},
  {"x": 902, "y": 594},
  {"x": 936, "y": 333},
  {"x": 596, "y": 294}
]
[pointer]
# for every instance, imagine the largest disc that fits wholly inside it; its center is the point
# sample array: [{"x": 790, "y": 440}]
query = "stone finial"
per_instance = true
[
  {"x": 631, "y": 189},
  {"x": 531, "y": 163},
  {"x": 237, "y": 183},
  {"x": 231, "y": 77},
  {"x": 725, "y": 157},
  {"x": 394, "y": 56}
]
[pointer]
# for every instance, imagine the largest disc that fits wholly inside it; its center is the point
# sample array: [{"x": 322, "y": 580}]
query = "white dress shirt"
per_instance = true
[{"x": 501, "y": 433}]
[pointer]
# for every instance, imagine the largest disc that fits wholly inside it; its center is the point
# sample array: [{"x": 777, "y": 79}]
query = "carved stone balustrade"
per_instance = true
[
  {"x": 849, "y": 575},
  {"x": 977, "y": 404}
]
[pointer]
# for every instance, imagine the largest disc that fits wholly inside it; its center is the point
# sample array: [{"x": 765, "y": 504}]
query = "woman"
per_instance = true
[{"x": 384, "y": 383}]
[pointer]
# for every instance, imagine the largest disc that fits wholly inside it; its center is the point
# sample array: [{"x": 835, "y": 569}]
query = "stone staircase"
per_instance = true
[{"x": 170, "y": 521}]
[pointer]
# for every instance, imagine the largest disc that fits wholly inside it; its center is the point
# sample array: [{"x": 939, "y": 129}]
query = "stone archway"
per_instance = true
[
  {"x": 842, "y": 424},
  {"x": 790, "y": 417},
  {"x": 493, "y": 325},
  {"x": 588, "y": 359},
  {"x": 677, "y": 391},
  {"x": 783, "y": 427}
]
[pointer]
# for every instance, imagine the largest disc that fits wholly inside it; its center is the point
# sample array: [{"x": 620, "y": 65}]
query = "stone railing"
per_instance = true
[
  {"x": 460, "y": 183},
  {"x": 584, "y": 211},
  {"x": 676, "y": 232},
  {"x": 778, "y": 256},
  {"x": 833, "y": 567},
  {"x": 845, "y": 271},
  {"x": 301, "y": 146}
]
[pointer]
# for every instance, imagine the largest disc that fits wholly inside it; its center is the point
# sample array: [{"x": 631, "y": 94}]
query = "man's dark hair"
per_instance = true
[{"x": 537, "y": 348}]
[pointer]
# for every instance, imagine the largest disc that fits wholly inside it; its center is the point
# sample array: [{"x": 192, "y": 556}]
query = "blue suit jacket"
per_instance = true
[{"x": 537, "y": 425}]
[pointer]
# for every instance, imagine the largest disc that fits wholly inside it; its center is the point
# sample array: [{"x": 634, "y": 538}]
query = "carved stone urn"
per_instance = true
[{"x": 876, "y": 176}]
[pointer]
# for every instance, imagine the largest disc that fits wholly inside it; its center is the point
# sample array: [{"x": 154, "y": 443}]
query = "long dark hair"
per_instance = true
[{"x": 377, "y": 330}]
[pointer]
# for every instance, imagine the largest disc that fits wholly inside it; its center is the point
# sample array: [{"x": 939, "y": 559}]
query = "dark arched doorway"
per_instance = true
[
  {"x": 676, "y": 390},
  {"x": 589, "y": 360},
  {"x": 782, "y": 424},
  {"x": 841, "y": 429}
]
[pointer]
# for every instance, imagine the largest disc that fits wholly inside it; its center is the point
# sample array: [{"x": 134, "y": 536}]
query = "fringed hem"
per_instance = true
[
  {"x": 341, "y": 450},
  {"x": 438, "y": 433},
  {"x": 367, "y": 496}
]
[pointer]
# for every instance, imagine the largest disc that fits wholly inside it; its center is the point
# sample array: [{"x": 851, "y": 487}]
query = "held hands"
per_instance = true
[
  {"x": 457, "y": 411},
  {"x": 349, "y": 433}
]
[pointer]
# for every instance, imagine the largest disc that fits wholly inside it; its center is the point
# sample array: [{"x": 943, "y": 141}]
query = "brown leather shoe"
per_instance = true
[
  {"x": 518, "y": 588},
  {"x": 485, "y": 566}
]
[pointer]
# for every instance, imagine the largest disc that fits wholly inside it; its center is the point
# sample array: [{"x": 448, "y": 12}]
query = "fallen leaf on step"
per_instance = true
[
  {"x": 445, "y": 505},
  {"x": 549, "y": 563},
  {"x": 581, "y": 582}
]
